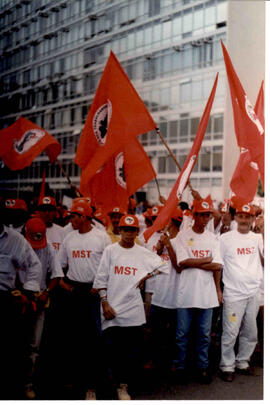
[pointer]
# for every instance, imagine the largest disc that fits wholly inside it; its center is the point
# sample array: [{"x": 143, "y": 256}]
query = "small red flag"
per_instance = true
[
  {"x": 42, "y": 189},
  {"x": 248, "y": 128},
  {"x": 244, "y": 182},
  {"x": 122, "y": 175},
  {"x": 117, "y": 114},
  {"x": 177, "y": 191},
  {"x": 23, "y": 141}
]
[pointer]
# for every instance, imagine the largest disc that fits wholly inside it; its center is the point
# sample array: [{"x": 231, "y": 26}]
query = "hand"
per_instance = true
[
  {"x": 162, "y": 199},
  {"x": 141, "y": 282},
  {"x": 66, "y": 286},
  {"x": 108, "y": 311},
  {"x": 165, "y": 240},
  {"x": 220, "y": 297},
  {"x": 94, "y": 291}
]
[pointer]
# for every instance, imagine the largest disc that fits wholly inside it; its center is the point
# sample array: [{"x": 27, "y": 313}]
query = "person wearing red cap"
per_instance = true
[
  {"x": 80, "y": 255},
  {"x": 16, "y": 255},
  {"x": 199, "y": 260},
  {"x": 113, "y": 230},
  {"x": 16, "y": 213},
  {"x": 35, "y": 234},
  {"x": 162, "y": 316},
  {"x": 125, "y": 266},
  {"x": 242, "y": 253},
  {"x": 47, "y": 212}
]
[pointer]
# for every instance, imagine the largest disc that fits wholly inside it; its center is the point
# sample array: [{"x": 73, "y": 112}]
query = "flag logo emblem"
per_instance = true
[
  {"x": 120, "y": 170},
  {"x": 129, "y": 220},
  {"x": 29, "y": 139},
  {"x": 101, "y": 122},
  {"x": 252, "y": 115}
]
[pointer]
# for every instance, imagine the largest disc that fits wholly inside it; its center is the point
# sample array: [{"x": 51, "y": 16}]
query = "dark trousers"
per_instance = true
[{"x": 123, "y": 347}]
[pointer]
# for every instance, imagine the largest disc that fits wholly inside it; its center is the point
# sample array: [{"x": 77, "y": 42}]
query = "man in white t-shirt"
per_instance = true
[
  {"x": 241, "y": 250},
  {"x": 47, "y": 212},
  {"x": 198, "y": 257},
  {"x": 123, "y": 268},
  {"x": 80, "y": 255}
]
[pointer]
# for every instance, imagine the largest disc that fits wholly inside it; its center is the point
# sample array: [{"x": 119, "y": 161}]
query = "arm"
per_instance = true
[
  {"x": 188, "y": 263},
  {"x": 166, "y": 242},
  {"x": 217, "y": 278},
  {"x": 108, "y": 311}
]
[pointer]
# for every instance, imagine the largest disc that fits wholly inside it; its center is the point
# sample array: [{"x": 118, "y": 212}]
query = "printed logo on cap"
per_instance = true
[
  {"x": 246, "y": 208},
  {"x": 29, "y": 139},
  {"x": 116, "y": 209},
  {"x": 9, "y": 203},
  {"x": 80, "y": 209},
  {"x": 46, "y": 200},
  {"x": 129, "y": 220},
  {"x": 120, "y": 170},
  {"x": 101, "y": 122},
  {"x": 205, "y": 205}
]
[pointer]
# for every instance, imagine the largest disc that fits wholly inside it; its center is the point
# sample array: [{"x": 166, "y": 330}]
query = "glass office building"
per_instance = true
[{"x": 52, "y": 57}]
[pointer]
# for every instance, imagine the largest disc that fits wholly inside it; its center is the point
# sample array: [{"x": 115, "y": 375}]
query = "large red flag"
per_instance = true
[
  {"x": 117, "y": 114},
  {"x": 244, "y": 182},
  {"x": 121, "y": 176},
  {"x": 248, "y": 128},
  {"x": 23, "y": 141},
  {"x": 177, "y": 191}
]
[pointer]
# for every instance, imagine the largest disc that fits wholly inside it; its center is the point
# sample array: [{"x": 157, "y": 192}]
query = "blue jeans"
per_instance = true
[{"x": 204, "y": 323}]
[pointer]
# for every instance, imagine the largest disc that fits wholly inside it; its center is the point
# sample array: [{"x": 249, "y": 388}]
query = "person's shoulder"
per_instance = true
[
  {"x": 71, "y": 235},
  {"x": 228, "y": 235},
  {"x": 57, "y": 227}
]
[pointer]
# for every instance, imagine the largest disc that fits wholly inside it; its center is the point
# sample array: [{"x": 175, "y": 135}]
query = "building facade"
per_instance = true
[{"x": 53, "y": 53}]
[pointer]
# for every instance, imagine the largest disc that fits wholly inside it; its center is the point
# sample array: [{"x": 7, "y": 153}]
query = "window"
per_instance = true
[
  {"x": 185, "y": 92},
  {"x": 217, "y": 159}
]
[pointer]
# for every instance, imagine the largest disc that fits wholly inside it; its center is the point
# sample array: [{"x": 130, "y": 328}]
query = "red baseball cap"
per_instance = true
[
  {"x": 48, "y": 200},
  {"x": 246, "y": 208},
  {"x": 16, "y": 204},
  {"x": 203, "y": 205},
  {"x": 82, "y": 208},
  {"x": 116, "y": 210},
  {"x": 35, "y": 233},
  {"x": 130, "y": 221}
]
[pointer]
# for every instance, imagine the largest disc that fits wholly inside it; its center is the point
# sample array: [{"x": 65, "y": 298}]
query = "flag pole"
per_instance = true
[
  {"x": 78, "y": 194},
  {"x": 172, "y": 155},
  {"x": 157, "y": 187}
]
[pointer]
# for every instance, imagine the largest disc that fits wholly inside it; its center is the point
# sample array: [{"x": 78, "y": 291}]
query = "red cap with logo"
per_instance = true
[
  {"x": 130, "y": 221},
  {"x": 82, "y": 208},
  {"x": 35, "y": 233},
  {"x": 48, "y": 200},
  {"x": 16, "y": 204},
  {"x": 245, "y": 208},
  {"x": 203, "y": 205}
]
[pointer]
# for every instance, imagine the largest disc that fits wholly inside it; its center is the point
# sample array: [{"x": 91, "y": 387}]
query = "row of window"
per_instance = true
[{"x": 198, "y": 20}]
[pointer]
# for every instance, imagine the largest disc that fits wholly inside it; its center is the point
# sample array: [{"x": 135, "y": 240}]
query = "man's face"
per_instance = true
[
  {"x": 76, "y": 220},
  {"x": 115, "y": 218},
  {"x": 128, "y": 234},
  {"x": 47, "y": 214},
  {"x": 202, "y": 218},
  {"x": 244, "y": 222}
]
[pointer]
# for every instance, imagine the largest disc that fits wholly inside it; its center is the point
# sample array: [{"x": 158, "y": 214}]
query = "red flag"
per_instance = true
[
  {"x": 245, "y": 178},
  {"x": 42, "y": 189},
  {"x": 117, "y": 114},
  {"x": 23, "y": 141},
  {"x": 121, "y": 176},
  {"x": 248, "y": 128},
  {"x": 177, "y": 191}
]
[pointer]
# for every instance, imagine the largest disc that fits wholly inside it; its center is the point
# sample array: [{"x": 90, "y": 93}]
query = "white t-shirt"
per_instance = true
[
  {"x": 151, "y": 245},
  {"x": 55, "y": 236},
  {"x": 82, "y": 252},
  {"x": 166, "y": 286},
  {"x": 49, "y": 260},
  {"x": 197, "y": 287},
  {"x": 67, "y": 229},
  {"x": 242, "y": 271},
  {"x": 120, "y": 271}
]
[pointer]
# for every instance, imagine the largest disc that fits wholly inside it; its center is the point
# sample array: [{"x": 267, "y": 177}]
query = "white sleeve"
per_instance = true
[
  {"x": 33, "y": 269},
  {"x": 63, "y": 257},
  {"x": 102, "y": 276},
  {"x": 54, "y": 264},
  {"x": 216, "y": 252},
  {"x": 181, "y": 251}
]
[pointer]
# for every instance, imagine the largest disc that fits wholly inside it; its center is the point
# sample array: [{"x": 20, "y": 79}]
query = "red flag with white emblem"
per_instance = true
[
  {"x": 23, "y": 141},
  {"x": 248, "y": 128},
  {"x": 117, "y": 115},
  {"x": 177, "y": 191},
  {"x": 244, "y": 182},
  {"x": 122, "y": 175}
]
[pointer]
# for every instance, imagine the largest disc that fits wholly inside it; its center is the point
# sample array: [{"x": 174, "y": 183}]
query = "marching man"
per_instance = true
[{"x": 123, "y": 268}]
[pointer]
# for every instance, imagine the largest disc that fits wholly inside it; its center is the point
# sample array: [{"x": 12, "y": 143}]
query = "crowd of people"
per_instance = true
[{"x": 87, "y": 302}]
